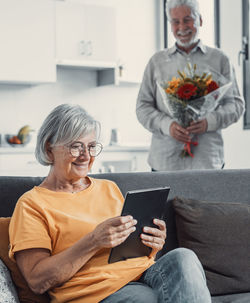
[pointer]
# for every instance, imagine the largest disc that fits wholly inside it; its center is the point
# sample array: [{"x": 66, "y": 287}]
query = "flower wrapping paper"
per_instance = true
[{"x": 192, "y": 96}]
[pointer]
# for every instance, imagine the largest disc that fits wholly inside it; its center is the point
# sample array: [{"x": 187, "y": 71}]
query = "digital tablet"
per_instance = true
[{"x": 144, "y": 205}]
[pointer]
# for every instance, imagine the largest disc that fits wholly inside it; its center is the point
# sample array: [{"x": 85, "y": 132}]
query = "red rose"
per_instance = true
[
  {"x": 186, "y": 91},
  {"x": 212, "y": 86}
]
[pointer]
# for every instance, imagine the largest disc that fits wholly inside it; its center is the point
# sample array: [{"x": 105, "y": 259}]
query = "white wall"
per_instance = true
[
  {"x": 237, "y": 140},
  {"x": 113, "y": 106}
]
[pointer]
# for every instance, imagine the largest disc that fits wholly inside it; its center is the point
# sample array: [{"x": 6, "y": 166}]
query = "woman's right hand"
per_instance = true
[{"x": 113, "y": 231}]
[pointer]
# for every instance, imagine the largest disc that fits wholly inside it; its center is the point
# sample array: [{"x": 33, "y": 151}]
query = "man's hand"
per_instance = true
[
  {"x": 198, "y": 127},
  {"x": 179, "y": 133}
]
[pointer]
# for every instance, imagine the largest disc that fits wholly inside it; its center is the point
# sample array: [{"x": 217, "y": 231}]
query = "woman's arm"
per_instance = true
[{"x": 43, "y": 271}]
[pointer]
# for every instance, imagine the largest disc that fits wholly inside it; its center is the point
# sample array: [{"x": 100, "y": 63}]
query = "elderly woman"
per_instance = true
[{"x": 62, "y": 231}]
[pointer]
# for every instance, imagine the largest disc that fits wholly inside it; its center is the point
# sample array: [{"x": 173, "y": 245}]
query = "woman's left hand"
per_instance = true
[{"x": 155, "y": 237}]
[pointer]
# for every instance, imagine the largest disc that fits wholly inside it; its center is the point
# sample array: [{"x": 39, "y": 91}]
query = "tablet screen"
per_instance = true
[{"x": 144, "y": 205}]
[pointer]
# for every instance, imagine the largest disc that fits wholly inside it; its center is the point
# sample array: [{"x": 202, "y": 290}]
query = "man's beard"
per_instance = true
[{"x": 193, "y": 40}]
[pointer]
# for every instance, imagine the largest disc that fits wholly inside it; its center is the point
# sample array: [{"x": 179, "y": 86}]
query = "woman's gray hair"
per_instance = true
[
  {"x": 192, "y": 4},
  {"x": 65, "y": 124}
]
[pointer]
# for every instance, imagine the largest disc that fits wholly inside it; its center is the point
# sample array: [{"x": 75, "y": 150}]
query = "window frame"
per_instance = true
[{"x": 245, "y": 62}]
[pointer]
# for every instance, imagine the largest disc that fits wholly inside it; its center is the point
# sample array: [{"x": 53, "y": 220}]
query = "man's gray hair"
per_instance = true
[
  {"x": 192, "y": 4},
  {"x": 65, "y": 124}
]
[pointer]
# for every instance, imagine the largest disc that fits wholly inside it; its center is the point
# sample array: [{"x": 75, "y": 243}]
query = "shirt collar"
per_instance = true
[{"x": 200, "y": 46}]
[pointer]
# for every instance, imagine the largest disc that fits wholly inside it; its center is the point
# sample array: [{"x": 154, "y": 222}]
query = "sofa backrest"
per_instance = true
[{"x": 210, "y": 185}]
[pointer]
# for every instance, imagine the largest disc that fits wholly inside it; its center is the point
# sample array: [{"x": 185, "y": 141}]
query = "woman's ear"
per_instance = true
[{"x": 49, "y": 151}]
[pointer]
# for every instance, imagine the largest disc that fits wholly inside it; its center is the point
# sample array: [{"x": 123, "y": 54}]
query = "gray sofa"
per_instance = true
[{"x": 227, "y": 186}]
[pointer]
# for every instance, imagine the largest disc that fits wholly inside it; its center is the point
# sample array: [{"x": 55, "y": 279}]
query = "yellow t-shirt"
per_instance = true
[{"x": 56, "y": 220}]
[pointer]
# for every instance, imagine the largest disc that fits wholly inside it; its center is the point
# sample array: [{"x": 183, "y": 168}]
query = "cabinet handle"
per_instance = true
[
  {"x": 82, "y": 47},
  {"x": 89, "y": 48}
]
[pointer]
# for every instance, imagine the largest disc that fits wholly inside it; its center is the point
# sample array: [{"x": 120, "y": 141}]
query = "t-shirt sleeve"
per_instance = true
[{"x": 28, "y": 228}]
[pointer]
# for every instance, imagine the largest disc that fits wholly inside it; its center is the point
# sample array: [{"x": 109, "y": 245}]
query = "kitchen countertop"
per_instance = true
[
  {"x": 107, "y": 148},
  {"x": 122, "y": 148},
  {"x": 17, "y": 150}
]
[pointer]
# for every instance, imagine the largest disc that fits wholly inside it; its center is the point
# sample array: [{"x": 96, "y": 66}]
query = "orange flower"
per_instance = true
[
  {"x": 173, "y": 85},
  {"x": 188, "y": 87}
]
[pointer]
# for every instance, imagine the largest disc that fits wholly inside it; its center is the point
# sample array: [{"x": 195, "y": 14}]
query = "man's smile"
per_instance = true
[{"x": 184, "y": 34}]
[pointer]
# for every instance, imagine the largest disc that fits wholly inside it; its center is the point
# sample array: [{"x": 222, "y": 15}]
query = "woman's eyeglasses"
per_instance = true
[{"x": 78, "y": 148}]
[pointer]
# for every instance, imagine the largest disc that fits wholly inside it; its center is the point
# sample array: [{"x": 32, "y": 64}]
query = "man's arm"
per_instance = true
[
  {"x": 147, "y": 112},
  {"x": 232, "y": 106}
]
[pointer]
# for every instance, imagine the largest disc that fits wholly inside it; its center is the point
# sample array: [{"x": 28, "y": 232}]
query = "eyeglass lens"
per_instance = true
[{"x": 77, "y": 149}]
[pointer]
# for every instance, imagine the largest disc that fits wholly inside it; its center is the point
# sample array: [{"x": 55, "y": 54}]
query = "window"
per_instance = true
[{"x": 209, "y": 31}]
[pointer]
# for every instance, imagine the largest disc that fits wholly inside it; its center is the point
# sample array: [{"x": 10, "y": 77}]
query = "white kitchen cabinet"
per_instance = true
[
  {"x": 122, "y": 159},
  {"x": 85, "y": 35},
  {"x": 20, "y": 163},
  {"x": 85, "y": 38},
  {"x": 138, "y": 36},
  {"x": 27, "y": 52}
]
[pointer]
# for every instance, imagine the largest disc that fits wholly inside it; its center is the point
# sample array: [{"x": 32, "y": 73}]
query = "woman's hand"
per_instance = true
[
  {"x": 155, "y": 237},
  {"x": 114, "y": 231}
]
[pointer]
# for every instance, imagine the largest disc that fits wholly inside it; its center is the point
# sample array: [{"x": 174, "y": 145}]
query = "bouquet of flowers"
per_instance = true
[{"x": 191, "y": 96}]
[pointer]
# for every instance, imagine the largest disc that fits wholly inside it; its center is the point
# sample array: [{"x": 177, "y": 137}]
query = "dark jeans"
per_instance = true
[{"x": 177, "y": 277}]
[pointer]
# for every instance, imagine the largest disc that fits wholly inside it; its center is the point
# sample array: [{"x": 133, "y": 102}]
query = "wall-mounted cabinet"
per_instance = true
[
  {"x": 38, "y": 35},
  {"x": 27, "y": 52},
  {"x": 138, "y": 38},
  {"x": 85, "y": 38},
  {"x": 84, "y": 32}
]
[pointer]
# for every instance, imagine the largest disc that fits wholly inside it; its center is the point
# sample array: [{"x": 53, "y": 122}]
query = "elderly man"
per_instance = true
[{"x": 168, "y": 135}]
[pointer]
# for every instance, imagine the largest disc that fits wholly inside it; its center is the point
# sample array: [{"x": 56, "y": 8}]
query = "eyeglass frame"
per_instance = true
[
  {"x": 82, "y": 148},
  {"x": 187, "y": 20}
]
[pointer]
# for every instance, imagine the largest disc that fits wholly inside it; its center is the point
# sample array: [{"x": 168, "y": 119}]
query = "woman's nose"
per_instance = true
[{"x": 84, "y": 153}]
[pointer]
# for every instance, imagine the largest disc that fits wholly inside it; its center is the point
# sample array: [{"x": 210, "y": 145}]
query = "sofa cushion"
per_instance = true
[
  {"x": 218, "y": 232},
  {"x": 8, "y": 292},
  {"x": 235, "y": 298},
  {"x": 24, "y": 293}
]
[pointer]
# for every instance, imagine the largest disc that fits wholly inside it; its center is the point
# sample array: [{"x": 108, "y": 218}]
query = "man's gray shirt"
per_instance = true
[{"x": 151, "y": 112}]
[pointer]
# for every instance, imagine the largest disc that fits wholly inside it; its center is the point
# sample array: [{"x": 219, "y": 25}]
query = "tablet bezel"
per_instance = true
[{"x": 135, "y": 201}]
